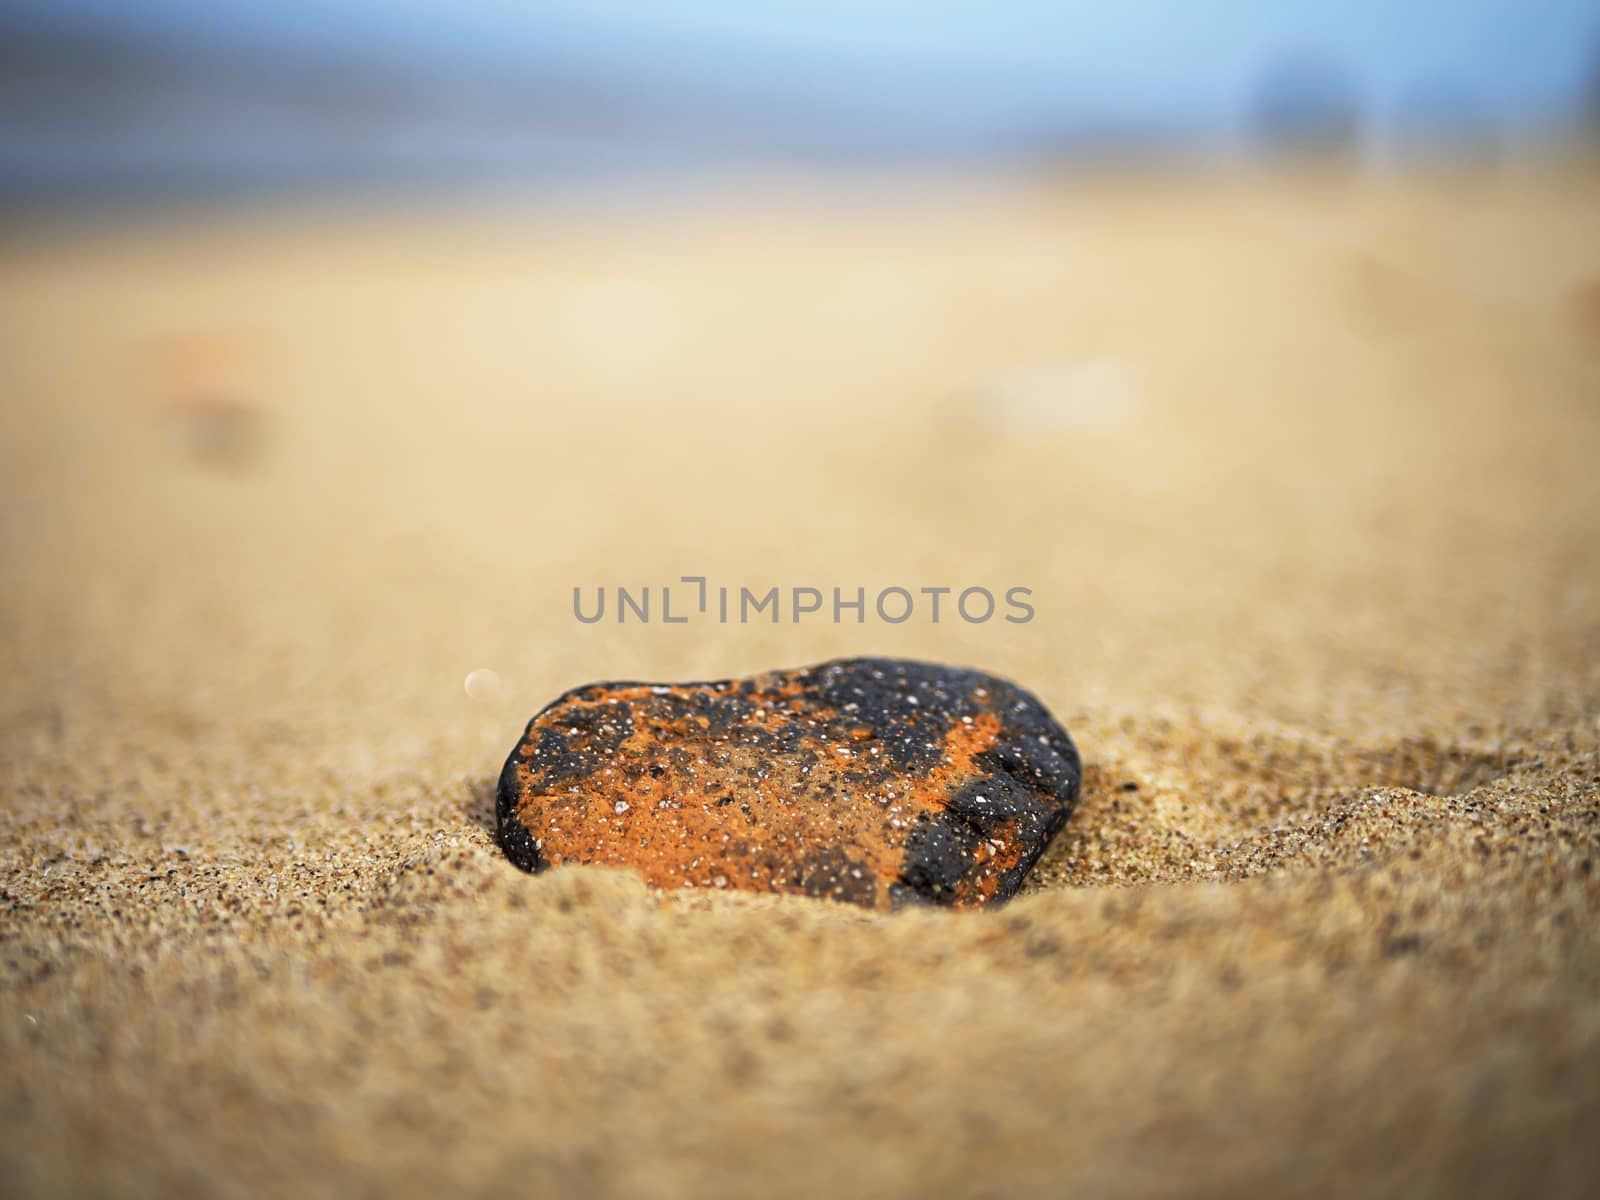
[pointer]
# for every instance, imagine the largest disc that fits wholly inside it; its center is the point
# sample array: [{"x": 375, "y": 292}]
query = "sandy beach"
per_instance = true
[{"x": 1301, "y": 478}]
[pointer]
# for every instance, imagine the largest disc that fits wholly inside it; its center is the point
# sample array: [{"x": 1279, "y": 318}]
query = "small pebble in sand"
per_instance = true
[
  {"x": 484, "y": 685},
  {"x": 203, "y": 386},
  {"x": 215, "y": 431},
  {"x": 879, "y": 782}
]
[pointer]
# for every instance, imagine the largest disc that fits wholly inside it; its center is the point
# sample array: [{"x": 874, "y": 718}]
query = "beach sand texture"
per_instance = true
[{"x": 1303, "y": 481}]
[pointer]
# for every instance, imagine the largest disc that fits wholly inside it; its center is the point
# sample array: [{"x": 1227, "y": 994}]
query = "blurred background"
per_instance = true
[
  {"x": 1197, "y": 320},
  {"x": 109, "y": 101}
]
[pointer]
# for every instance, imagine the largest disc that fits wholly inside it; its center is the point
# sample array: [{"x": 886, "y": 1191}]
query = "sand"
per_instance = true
[{"x": 1302, "y": 479}]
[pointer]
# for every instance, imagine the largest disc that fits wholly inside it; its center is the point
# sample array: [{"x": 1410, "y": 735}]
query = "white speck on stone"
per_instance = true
[{"x": 621, "y": 807}]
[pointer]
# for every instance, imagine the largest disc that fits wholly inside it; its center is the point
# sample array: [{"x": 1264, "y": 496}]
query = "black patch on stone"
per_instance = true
[
  {"x": 830, "y": 874},
  {"x": 992, "y": 804},
  {"x": 907, "y": 705},
  {"x": 561, "y": 757},
  {"x": 1036, "y": 763},
  {"x": 513, "y": 836},
  {"x": 939, "y": 852},
  {"x": 902, "y": 895}
]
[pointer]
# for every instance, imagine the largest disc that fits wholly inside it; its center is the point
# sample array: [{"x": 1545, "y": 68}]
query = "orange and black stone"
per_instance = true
[{"x": 876, "y": 781}]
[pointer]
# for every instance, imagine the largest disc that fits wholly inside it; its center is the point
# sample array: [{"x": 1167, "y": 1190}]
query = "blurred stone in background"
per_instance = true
[{"x": 203, "y": 398}]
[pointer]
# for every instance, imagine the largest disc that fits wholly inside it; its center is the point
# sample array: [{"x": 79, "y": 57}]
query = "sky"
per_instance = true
[
  {"x": 520, "y": 85},
  {"x": 1003, "y": 60}
]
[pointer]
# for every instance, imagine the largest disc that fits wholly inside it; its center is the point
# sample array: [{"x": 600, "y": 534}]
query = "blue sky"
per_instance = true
[
  {"x": 239, "y": 95},
  {"x": 1004, "y": 62}
]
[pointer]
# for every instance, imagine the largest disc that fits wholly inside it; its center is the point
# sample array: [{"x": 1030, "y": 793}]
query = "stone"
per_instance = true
[{"x": 874, "y": 781}]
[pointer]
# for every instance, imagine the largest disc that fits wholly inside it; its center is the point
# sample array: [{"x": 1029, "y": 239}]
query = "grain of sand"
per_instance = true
[{"x": 1304, "y": 485}]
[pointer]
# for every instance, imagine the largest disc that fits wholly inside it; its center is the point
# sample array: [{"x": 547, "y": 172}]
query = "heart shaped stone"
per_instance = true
[{"x": 876, "y": 781}]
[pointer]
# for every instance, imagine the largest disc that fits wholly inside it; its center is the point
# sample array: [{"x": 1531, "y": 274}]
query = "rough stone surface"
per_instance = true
[{"x": 879, "y": 782}]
